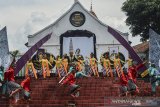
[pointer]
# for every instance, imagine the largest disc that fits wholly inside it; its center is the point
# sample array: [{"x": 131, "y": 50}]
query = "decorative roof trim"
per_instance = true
[{"x": 30, "y": 36}]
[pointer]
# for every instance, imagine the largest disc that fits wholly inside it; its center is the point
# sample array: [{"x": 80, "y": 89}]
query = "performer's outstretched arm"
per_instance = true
[
  {"x": 80, "y": 74},
  {"x": 49, "y": 63}
]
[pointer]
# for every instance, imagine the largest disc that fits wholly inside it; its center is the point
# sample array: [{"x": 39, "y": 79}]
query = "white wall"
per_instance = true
[{"x": 92, "y": 25}]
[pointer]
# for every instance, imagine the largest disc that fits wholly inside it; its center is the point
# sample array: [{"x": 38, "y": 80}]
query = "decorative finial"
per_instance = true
[
  {"x": 71, "y": 45},
  {"x": 91, "y": 6},
  {"x": 75, "y": 1}
]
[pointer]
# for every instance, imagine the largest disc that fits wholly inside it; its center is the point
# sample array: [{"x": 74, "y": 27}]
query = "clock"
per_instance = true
[{"x": 77, "y": 19}]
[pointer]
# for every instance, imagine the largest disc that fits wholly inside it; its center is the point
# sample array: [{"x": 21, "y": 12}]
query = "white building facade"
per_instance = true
[{"x": 87, "y": 32}]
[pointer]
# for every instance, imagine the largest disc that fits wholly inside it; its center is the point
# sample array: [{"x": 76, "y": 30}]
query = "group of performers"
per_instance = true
[
  {"x": 10, "y": 88},
  {"x": 71, "y": 67}
]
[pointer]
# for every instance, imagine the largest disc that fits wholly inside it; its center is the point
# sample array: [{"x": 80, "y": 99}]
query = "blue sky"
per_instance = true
[{"x": 25, "y": 17}]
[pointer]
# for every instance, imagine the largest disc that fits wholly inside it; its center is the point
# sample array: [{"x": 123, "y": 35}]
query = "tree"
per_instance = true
[
  {"x": 141, "y": 16},
  {"x": 14, "y": 53}
]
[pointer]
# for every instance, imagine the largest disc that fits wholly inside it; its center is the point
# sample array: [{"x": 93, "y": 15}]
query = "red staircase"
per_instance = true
[{"x": 94, "y": 91}]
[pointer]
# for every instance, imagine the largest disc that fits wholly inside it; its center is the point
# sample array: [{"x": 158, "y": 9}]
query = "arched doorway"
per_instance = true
[{"x": 81, "y": 39}]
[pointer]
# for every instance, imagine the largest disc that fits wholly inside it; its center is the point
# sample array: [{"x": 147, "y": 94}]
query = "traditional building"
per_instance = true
[
  {"x": 85, "y": 30},
  {"x": 142, "y": 50}
]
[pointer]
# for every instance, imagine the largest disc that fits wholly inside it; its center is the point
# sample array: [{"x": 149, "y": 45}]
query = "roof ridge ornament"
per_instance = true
[
  {"x": 91, "y": 8},
  {"x": 75, "y": 1},
  {"x": 71, "y": 45}
]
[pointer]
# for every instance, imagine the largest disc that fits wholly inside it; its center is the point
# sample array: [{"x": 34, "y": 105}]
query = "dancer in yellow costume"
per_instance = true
[
  {"x": 40, "y": 56},
  {"x": 107, "y": 65},
  {"x": 130, "y": 61},
  {"x": 65, "y": 63},
  {"x": 45, "y": 66},
  {"x": 30, "y": 68},
  {"x": 80, "y": 63},
  {"x": 59, "y": 65},
  {"x": 93, "y": 64},
  {"x": 117, "y": 65},
  {"x": 51, "y": 59}
]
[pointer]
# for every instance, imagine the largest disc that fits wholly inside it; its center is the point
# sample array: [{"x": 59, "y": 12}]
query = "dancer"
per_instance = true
[
  {"x": 117, "y": 65},
  {"x": 133, "y": 69},
  {"x": 30, "y": 68},
  {"x": 45, "y": 67},
  {"x": 80, "y": 64},
  {"x": 59, "y": 66},
  {"x": 124, "y": 82},
  {"x": 40, "y": 56},
  {"x": 10, "y": 87},
  {"x": 130, "y": 61},
  {"x": 1, "y": 73},
  {"x": 78, "y": 54},
  {"x": 107, "y": 65},
  {"x": 127, "y": 84},
  {"x": 70, "y": 78},
  {"x": 25, "y": 84},
  {"x": 51, "y": 59},
  {"x": 72, "y": 57},
  {"x": 65, "y": 63},
  {"x": 93, "y": 64},
  {"x": 153, "y": 77}
]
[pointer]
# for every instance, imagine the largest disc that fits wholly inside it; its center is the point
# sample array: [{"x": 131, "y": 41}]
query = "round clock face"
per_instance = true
[{"x": 77, "y": 19}]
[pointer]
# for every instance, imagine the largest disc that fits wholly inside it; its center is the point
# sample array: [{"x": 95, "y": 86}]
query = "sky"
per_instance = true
[{"x": 26, "y": 17}]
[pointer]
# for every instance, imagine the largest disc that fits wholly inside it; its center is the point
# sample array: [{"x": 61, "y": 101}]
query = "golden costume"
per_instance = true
[
  {"x": 107, "y": 66},
  {"x": 118, "y": 66},
  {"x": 80, "y": 64},
  {"x": 93, "y": 65},
  {"x": 58, "y": 66},
  {"x": 30, "y": 67},
  {"x": 65, "y": 64},
  {"x": 45, "y": 67}
]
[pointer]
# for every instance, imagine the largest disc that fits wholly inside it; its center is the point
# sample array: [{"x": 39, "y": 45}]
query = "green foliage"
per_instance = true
[
  {"x": 141, "y": 16},
  {"x": 14, "y": 53}
]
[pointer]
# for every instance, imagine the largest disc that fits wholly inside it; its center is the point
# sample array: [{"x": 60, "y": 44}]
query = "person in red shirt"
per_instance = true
[
  {"x": 10, "y": 86},
  {"x": 71, "y": 80},
  {"x": 133, "y": 70},
  {"x": 25, "y": 84},
  {"x": 124, "y": 78}
]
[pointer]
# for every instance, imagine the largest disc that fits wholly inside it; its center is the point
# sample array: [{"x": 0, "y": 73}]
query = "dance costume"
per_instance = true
[
  {"x": 80, "y": 64},
  {"x": 30, "y": 68},
  {"x": 118, "y": 66},
  {"x": 65, "y": 64},
  {"x": 10, "y": 84},
  {"x": 107, "y": 65},
  {"x": 133, "y": 70},
  {"x": 59, "y": 66},
  {"x": 1, "y": 73},
  {"x": 132, "y": 82},
  {"x": 45, "y": 67},
  {"x": 25, "y": 84},
  {"x": 153, "y": 78},
  {"x": 93, "y": 65},
  {"x": 71, "y": 80},
  {"x": 124, "y": 82},
  {"x": 130, "y": 62}
]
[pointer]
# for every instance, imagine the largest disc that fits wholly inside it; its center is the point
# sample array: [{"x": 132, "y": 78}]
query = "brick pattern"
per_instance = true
[{"x": 47, "y": 93}]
